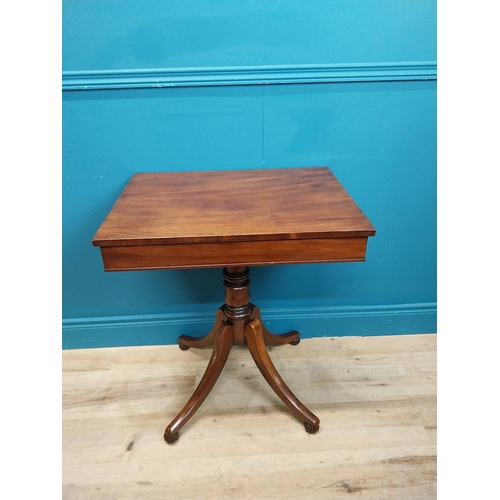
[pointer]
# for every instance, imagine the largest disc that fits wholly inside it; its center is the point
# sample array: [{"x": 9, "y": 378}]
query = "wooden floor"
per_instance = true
[{"x": 375, "y": 397}]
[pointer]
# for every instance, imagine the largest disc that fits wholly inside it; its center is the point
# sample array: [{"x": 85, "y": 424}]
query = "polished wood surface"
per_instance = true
[
  {"x": 137, "y": 257},
  {"x": 223, "y": 342},
  {"x": 231, "y": 218},
  {"x": 254, "y": 340},
  {"x": 270, "y": 339},
  {"x": 236, "y": 205},
  {"x": 376, "y": 397}
]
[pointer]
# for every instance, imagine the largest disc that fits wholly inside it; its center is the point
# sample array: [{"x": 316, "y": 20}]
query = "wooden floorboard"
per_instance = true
[{"x": 375, "y": 397}]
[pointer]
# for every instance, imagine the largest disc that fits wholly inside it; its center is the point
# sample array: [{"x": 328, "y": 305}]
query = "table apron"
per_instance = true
[{"x": 226, "y": 254}]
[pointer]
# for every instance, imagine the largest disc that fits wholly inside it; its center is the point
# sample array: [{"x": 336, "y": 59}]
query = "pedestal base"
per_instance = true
[{"x": 238, "y": 322}]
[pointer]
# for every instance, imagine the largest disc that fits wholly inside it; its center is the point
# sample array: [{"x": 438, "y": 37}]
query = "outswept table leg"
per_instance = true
[
  {"x": 254, "y": 339},
  {"x": 273, "y": 339},
  {"x": 238, "y": 322},
  {"x": 222, "y": 347},
  {"x": 185, "y": 341}
]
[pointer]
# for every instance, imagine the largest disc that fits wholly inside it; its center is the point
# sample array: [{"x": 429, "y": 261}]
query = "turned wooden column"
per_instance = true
[{"x": 237, "y": 308}]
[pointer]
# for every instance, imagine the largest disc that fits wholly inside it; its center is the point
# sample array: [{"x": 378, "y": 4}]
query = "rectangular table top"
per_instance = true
[{"x": 239, "y": 217}]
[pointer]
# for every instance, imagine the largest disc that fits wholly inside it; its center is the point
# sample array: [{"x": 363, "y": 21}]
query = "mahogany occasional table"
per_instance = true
[{"x": 233, "y": 220}]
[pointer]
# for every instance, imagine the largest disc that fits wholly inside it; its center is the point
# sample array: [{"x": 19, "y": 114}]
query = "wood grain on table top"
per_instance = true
[{"x": 237, "y": 205}]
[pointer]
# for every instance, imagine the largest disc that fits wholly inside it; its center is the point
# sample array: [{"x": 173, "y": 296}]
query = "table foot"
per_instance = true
[
  {"x": 171, "y": 438},
  {"x": 254, "y": 339},
  {"x": 185, "y": 341},
  {"x": 222, "y": 346},
  {"x": 310, "y": 429},
  {"x": 273, "y": 339}
]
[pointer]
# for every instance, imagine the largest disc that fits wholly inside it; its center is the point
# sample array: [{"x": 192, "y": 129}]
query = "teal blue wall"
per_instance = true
[{"x": 220, "y": 85}]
